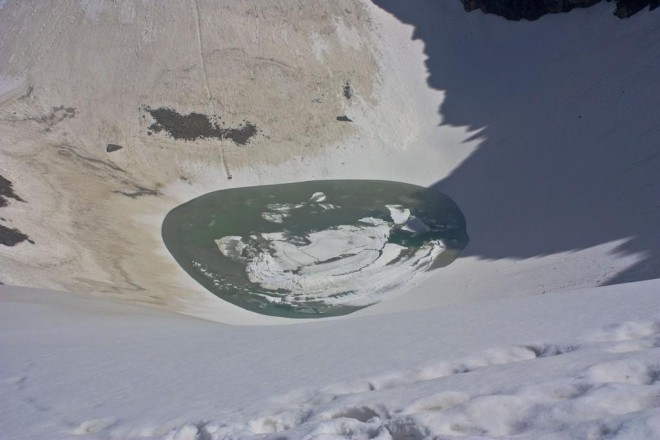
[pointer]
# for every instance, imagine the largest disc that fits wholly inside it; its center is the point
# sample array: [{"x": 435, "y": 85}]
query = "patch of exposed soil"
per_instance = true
[{"x": 195, "y": 126}]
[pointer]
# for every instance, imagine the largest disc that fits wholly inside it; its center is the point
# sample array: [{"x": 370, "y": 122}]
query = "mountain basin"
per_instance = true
[{"x": 317, "y": 248}]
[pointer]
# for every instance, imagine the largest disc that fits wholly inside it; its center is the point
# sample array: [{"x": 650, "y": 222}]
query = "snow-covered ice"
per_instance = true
[
  {"x": 399, "y": 214},
  {"x": 344, "y": 265}
]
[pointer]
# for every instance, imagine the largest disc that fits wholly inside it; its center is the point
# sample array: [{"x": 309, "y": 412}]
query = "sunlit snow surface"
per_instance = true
[
  {"x": 313, "y": 248},
  {"x": 581, "y": 364}
]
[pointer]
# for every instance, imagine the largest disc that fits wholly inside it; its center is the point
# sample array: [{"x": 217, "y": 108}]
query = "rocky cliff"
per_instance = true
[{"x": 534, "y": 9}]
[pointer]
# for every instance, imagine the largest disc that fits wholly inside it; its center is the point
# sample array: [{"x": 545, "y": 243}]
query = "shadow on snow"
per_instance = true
[{"x": 566, "y": 109}]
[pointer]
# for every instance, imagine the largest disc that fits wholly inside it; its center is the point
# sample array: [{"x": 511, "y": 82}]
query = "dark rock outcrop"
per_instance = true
[
  {"x": 113, "y": 147},
  {"x": 626, "y": 8},
  {"x": 7, "y": 192},
  {"x": 12, "y": 236},
  {"x": 534, "y": 9},
  {"x": 9, "y": 236},
  {"x": 195, "y": 126}
]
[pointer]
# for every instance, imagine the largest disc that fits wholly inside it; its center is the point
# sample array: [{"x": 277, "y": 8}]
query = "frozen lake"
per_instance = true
[{"x": 313, "y": 249}]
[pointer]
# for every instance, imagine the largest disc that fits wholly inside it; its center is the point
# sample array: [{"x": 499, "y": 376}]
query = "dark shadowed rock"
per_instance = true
[
  {"x": 626, "y": 8},
  {"x": 525, "y": 9},
  {"x": 113, "y": 147},
  {"x": 348, "y": 90},
  {"x": 344, "y": 118},
  {"x": 7, "y": 192},
  {"x": 11, "y": 237},
  {"x": 534, "y": 9}
]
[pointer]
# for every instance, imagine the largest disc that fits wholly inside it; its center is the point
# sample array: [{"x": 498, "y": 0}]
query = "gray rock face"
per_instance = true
[
  {"x": 534, "y": 9},
  {"x": 626, "y": 8}
]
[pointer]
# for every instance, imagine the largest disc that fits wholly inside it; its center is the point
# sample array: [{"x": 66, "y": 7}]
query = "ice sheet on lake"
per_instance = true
[
  {"x": 275, "y": 217},
  {"x": 349, "y": 264},
  {"x": 402, "y": 217},
  {"x": 231, "y": 246},
  {"x": 399, "y": 214},
  {"x": 318, "y": 197},
  {"x": 277, "y": 212}
]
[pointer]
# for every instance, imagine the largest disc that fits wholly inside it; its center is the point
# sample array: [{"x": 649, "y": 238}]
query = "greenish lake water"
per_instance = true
[{"x": 313, "y": 249}]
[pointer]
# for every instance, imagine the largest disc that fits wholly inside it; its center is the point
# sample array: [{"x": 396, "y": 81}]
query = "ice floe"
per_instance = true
[{"x": 347, "y": 264}]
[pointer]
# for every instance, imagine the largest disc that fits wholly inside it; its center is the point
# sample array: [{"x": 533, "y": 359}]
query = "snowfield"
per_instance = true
[
  {"x": 544, "y": 133},
  {"x": 579, "y": 364}
]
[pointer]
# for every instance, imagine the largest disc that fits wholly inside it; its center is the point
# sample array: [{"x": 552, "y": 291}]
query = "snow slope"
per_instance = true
[{"x": 578, "y": 364}]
